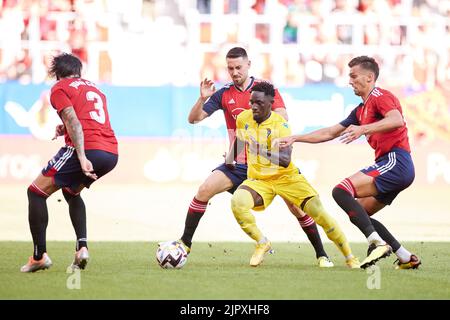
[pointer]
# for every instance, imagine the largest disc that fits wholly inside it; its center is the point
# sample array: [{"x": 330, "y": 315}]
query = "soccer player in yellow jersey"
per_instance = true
[{"x": 271, "y": 172}]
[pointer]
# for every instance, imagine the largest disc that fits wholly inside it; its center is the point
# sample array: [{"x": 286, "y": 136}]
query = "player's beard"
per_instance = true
[
  {"x": 260, "y": 116},
  {"x": 356, "y": 91},
  {"x": 239, "y": 81}
]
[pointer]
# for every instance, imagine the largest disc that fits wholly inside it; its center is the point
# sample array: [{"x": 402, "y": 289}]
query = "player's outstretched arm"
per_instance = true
[
  {"x": 197, "y": 113},
  {"x": 317, "y": 136},
  {"x": 392, "y": 120}
]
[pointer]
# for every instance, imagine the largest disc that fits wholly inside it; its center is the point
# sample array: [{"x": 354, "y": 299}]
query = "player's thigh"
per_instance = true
[
  {"x": 64, "y": 171},
  {"x": 294, "y": 189},
  {"x": 257, "y": 198},
  {"x": 262, "y": 193},
  {"x": 392, "y": 173},
  {"x": 364, "y": 185},
  {"x": 45, "y": 184},
  {"x": 371, "y": 205},
  {"x": 216, "y": 182}
]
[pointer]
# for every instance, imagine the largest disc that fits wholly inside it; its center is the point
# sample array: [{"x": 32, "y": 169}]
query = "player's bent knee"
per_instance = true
[
  {"x": 335, "y": 192},
  {"x": 241, "y": 201},
  {"x": 314, "y": 208},
  {"x": 34, "y": 191},
  {"x": 69, "y": 194},
  {"x": 343, "y": 187},
  {"x": 204, "y": 192}
]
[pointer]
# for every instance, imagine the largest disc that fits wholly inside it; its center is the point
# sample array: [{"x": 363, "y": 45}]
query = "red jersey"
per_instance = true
[
  {"x": 233, "y": 101},
  {"x": 90, "y": 107},
  {"x": 378, "y": 103}
]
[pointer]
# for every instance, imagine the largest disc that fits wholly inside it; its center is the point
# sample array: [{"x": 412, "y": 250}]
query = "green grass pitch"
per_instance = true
[{"x": 219, "y": 270}]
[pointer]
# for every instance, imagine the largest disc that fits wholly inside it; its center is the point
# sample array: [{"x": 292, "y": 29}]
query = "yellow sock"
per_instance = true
[
  {"x": 241, "y": 203},
  {"x": 332, "y": 229}
]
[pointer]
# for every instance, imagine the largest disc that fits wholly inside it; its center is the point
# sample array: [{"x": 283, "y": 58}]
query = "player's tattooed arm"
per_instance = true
[{"x": 74, "y": 129}]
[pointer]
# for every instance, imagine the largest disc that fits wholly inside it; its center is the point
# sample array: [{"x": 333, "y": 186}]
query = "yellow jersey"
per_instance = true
[{"x": 263, "y": 133}]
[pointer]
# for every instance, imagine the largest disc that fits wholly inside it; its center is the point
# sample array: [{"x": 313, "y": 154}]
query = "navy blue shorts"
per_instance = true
[
  {"x": 237, "y": 176},
  {"x": 393, "y": 172},
  {"x": 66, "y": 171}
]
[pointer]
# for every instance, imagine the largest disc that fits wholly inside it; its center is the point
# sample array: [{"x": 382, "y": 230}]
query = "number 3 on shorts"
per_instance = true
[{"x": 98, "y": 114}]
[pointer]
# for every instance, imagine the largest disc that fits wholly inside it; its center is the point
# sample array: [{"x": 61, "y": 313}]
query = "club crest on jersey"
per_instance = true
[
  {"x": 246, "y": 126},
  {"x": 269, "y": 132}
]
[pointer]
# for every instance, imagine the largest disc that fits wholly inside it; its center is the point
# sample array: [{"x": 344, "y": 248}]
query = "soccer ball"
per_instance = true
[{"x": 171, "y": 255}]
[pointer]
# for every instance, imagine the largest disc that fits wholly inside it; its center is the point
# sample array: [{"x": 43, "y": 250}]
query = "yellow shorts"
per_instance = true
[{"x": 294, "y": 188}]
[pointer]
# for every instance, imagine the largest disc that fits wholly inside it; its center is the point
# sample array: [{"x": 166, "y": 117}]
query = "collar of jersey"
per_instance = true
[
  {"x": 252, "y": 79},
  {"x": 368, "y": 97}
]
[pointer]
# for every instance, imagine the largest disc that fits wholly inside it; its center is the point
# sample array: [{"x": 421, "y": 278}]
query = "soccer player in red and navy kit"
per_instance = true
[
  {"x": 232, "y": 99},
  {"x": 379, "y": 117},
  {"x": 90, "y": 152}
]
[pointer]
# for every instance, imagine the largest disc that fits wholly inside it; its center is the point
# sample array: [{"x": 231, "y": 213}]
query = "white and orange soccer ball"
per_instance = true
[{"x": 171, "y": 255}]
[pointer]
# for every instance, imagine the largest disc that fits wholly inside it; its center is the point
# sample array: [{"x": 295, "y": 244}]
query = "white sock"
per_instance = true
[
  {"x": 374, "y": 237},
  {"x": 403, "y": 255}
]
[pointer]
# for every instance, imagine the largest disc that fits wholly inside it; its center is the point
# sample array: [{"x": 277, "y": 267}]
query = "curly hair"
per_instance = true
[{"x": 265, "y": 87}]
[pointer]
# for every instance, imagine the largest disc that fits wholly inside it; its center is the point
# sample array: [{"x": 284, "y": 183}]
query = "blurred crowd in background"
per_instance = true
[{"x": 179, "y": 42}]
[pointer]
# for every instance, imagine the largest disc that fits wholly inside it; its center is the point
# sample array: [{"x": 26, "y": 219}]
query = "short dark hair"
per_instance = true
[
  {"x": 265, "y": 87},
  {"x": 65, "y": 65},
  {"x": 367, "y": 63},
  {"x": 237, "y": 52}
]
